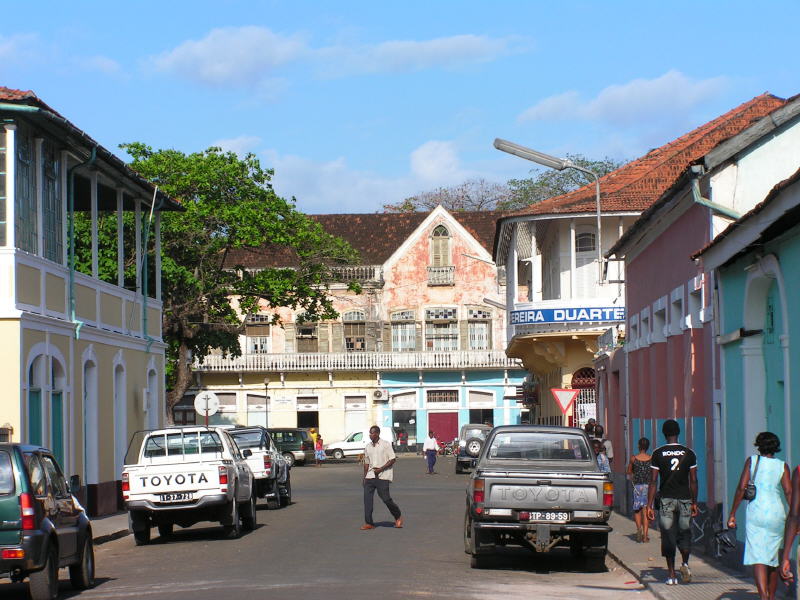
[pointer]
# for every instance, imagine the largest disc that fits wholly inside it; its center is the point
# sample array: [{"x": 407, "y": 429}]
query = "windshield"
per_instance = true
[
  {"x": 475, "y": 433},
  {"x": 179, "y": 444},
  {"x": 247, "y": 439},
  {"x": 531, "y": 445}
]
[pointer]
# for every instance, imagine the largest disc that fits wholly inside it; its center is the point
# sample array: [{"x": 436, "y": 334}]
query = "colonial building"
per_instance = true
[
  {"x": 422, "y": 347},
  {"x": 82, "y": 359}
]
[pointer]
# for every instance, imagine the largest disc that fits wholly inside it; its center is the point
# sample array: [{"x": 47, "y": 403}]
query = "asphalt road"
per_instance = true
[{"x": 314, "y": 549}]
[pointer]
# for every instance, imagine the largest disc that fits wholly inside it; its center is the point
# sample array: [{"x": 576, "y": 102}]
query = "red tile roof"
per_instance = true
[
  {"x": 375, "y": 236},
  {"x": 24, "y": 97},
  {"x": 636, "y": 185}
]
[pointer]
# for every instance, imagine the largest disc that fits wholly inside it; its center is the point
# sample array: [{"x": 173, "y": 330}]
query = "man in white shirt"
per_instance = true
[
  {"x": 429, "y": 450},
  {"x": 379, "y": 459}
]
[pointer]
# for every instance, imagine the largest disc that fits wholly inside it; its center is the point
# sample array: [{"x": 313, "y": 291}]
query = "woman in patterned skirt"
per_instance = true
[
  {"x": 640, "y": 474},
  {"x": 766, "y": 513}
]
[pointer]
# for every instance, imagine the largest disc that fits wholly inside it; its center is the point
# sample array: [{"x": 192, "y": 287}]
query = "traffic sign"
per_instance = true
[
  {"x": 564, "y": 398},
  {"x": 206, "y": 403}
]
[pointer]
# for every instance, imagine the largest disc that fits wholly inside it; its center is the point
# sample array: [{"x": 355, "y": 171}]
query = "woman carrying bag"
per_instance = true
[{"x": 765, "y": 482}]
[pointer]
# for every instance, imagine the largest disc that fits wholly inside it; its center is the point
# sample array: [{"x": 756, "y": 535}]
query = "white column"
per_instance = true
[
  {"x": 158, "y": 254},
  {"x": 753, "y": 380},
  {"x": 536, "y": 271},
  {"x": 120, "y": 242},
  {"x": 138, "y": 217},
  {"x": 11, "y": 169},
  {"x": 38, "y": 178},
  {"x": 511, "y": 279},
  {"x": 93, "y": 196},
  {"x": 572, "y": 266}
]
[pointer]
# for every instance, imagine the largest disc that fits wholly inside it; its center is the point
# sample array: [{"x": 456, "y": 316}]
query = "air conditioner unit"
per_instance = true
[{"x": 380, "y": 396}]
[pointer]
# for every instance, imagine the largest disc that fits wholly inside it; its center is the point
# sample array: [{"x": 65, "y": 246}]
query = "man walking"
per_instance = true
[
  {"x": 379, "y": 459},
  {"x": 676, "y": 466},
  {"x": 429, "y": 449}
]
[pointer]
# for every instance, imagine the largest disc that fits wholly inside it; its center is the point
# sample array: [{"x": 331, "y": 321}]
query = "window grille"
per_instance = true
[
  {"x": 52, "y": 204},
  {"x": 258, "y": 344},
  {"x": 354, "y": 315},
  {"x": 479, "y": 335},
  {"x": 403, "y": 337},
  {"x": 403, "y": 315},
  {"x": 355, "y": 335},
  {"x": 259, "y": 318},
  {"x": 25, "y": 197},
  {"x": 441, "y": 336},
  {"x": 479, "y": 314},
  {"x": 440, "y": 314},
  {"x": 585, "y": 242},
  {"x": 443, "y": 396}
]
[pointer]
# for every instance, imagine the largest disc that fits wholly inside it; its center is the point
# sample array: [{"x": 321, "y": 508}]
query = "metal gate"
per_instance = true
[{"x": 586, "y": 403}]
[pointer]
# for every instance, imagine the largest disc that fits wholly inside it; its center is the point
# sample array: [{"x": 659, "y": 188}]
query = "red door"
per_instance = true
[{"x": 444, "y": 425}]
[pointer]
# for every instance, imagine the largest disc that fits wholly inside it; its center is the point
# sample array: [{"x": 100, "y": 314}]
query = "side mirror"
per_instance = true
[
  {"x": 74, "y": 483},
  {"x": 247, "y": 453}
]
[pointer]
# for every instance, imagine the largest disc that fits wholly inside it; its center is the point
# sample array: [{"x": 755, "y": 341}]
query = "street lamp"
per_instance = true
[
  {"x": 559, "y": 164},
  {"x": 266, "y": 402}
]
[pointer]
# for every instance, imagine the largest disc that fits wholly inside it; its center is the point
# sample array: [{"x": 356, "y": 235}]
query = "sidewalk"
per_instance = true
[
  {"x": 110, "y": 527},
  {"x": 709, "y": 581}
]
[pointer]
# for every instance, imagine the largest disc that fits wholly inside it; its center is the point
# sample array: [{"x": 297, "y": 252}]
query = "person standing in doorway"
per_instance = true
[
  {"x": 379, "y": 459},
  {"x": 589, "y": 427},
  {"x": 599, "y": 433},
  {"x": 429, "y": 450},
  {"x": 639, "y": 472},
  {"x": 602, "y": 460},
  {"x": 675, "y": 466}
]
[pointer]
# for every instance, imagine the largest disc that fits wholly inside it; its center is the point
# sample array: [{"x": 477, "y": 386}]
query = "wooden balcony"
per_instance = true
[{"x": 360, "y": 361}]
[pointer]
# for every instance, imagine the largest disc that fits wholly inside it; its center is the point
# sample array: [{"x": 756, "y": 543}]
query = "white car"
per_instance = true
[
  {"x": 354, "y": 443},
  {"x": 269, "y": 467}
]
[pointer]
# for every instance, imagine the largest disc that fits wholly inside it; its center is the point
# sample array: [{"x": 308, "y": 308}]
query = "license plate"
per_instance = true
[
  {"x": 549, "y": 516},
  {"x": 176, "y": 497}
]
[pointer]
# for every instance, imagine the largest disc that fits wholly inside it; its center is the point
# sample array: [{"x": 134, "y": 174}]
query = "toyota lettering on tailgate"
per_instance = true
[
  {"x": 548, "y": 494},
  {"x": 179, "y": 479}
]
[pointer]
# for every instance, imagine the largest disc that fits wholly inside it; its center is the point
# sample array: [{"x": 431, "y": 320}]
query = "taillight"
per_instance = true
[
  {"x": 608, "y": 494},
  {"x": 13, "y": 553},
  {"x": 223, "y": 478},
  {"x": 478, "y": 495},
  {"x": 267, "y": 463},
  {"x": 524, "y": 515},
  {"x": 126, "y": 484},
  {"x": 28, "y": 512}
]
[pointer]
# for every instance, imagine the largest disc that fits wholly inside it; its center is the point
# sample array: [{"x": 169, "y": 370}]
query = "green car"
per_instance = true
[
  {"x": 294, "y": 443},
  {"x": 42, "y": 525}
]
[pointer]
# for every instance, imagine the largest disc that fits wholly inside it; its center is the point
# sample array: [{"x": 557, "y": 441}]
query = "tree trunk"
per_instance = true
[{"x": 183, "y": 376}]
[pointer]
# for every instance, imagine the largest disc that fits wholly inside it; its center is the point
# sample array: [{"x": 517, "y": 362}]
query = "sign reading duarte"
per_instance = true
[{"x": 568, "y": 315}]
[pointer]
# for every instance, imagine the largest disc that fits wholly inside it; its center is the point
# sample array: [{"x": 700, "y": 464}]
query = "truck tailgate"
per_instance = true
[
  {"x": 547, "y": 491},
  {"x": 170, "y": 478}
]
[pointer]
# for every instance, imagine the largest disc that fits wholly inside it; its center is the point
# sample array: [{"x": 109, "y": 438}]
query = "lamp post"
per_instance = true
[
  {"x": 266, "y": 401},
  {"x": 559, "y": 164}
]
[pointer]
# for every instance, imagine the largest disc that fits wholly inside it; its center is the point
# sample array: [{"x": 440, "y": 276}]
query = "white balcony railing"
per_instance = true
[
  {"x": 441, "y": 275},
  {"x": 359, "y": 361},
  {"x": 361, "y": 273}
]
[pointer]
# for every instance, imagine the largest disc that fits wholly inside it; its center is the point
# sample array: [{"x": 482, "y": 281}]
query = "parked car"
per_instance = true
[
  {"x": 185, "y": 475},
  {"x": 42, "y": 526},
  {"x": 269, "y": 467},
  {"x": 470, "y": 443},
  {"x": 537, "y": 486},
  {"x": 354, "y": 443},
  {"x": 294, "y": 443}
]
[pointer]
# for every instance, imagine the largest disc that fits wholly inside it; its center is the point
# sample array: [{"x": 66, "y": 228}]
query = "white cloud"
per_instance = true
[
  {"x": 632, "y": 103},
  {"x": 398, "y": 56},
  {"x": 18, "y": 47},
  {"x": 241, "y": 145},
  {"x": 103, "y": 64},
  {"x": 436, "y": 162},
  {"x": 239, "y": 56}
]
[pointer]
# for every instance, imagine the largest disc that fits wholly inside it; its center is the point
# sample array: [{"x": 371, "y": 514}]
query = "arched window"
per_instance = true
[
  {"x": 57, "y": 384},
  {"x": 585, "y": 263},
  {"x": 355, "y": 331},
  {"x": 36, "y": 377},
  {"x": 585, "y": 242},
  {"x": 440, "y": 247}
]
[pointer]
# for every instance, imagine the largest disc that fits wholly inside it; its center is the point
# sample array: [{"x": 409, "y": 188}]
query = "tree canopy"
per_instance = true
[
  {"x": 229, "y": 204},
  {"x": 473, "y": 194}
]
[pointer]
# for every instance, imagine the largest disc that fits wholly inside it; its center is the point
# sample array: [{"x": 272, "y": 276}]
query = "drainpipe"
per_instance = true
[
  {"x": 153, "y": 208},
  {"x": 697, "y": 172},
  {"x": 71, "y": 220}
]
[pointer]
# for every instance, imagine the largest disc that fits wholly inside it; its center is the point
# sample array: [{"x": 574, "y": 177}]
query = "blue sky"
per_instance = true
[{"x": 357, "y": 104}]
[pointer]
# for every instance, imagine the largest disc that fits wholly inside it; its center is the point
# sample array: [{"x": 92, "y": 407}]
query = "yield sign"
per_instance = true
[{"x": 564, "y": 398}]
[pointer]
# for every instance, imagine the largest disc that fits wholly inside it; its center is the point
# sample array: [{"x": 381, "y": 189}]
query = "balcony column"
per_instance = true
[
  {"x": 535, "y": 292},
  {"x": 11, "y": 168},
  {"x": 512, "y": 272},
  {"x": 63, "y": 185},
  {"x": 93, "y": 207},
  {"x": 572, "y": 261},
  {"x": 38, "y": 178},
  {"x": 120, "y": 242}
]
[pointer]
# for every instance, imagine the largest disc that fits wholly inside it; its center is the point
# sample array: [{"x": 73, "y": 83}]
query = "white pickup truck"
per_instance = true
[{"x": 185, "y": 475}]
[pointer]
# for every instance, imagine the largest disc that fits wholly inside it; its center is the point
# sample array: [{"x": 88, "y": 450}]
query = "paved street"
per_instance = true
[{"x": 315, "y": 549}]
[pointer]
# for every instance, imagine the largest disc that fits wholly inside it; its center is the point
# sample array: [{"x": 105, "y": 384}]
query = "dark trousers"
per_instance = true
[
  {"x": 430, "y": 456},
  {"x": 382, "y": 487}
]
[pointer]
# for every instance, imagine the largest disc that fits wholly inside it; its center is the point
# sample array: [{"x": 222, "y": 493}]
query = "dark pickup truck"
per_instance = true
[{"x": 537, "y": 486}]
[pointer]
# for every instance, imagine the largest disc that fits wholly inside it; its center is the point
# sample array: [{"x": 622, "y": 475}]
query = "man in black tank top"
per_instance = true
[{"x": 676, "y": 467}]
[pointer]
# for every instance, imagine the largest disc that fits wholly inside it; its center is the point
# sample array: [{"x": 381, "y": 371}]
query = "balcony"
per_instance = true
[
  {"x": 441, "y": 275},
  {"x": 365, "y": 274},
  {"x": 359, "y": 361}
]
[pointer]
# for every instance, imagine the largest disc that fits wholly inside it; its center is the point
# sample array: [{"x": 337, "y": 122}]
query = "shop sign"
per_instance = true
[{"x": 568, "y": 315}]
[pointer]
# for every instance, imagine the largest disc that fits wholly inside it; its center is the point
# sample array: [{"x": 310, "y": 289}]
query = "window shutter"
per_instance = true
[
  {"x": 419, "y": 344},
  {"x": 463, "y": 335},
  {"x": 291, "y": 334},
  {"x": 387, "y": 337},
  {"x": 337, "y": 337},
  {"x": 324, "y": 333}
]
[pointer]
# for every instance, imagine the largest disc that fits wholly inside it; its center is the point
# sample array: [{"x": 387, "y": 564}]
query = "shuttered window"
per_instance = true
[
  {"x": 404, "y": 331},
  {"x": 440, "y": 247}
]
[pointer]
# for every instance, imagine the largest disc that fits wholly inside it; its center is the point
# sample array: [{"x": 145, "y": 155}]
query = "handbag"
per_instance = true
[{"x": 750, "y": 489}]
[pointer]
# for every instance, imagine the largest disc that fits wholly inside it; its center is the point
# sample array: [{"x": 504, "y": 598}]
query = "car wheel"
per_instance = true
[
  {"x": 459, "y": 470},
  {"x": 467, "y": 533},
  {"x": 474, "y": 447},
  {"x": 477, "y": 561},
  {"x": 289, "y": 459},
  {"x": 43, "y": 585},
  {"x": 139, "y": 525},
  {"x": 165, "y": 529},
  {"x": 81, "y": 575},
  {"x": 286, "y": 496},
  {"x": 232, "y": 525},
  {"x": 338, "y": 454},
  {"x": 249, "y": 517}
]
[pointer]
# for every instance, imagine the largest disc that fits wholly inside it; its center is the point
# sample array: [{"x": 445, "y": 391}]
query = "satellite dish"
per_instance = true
[{"x": 206, "y": 403}]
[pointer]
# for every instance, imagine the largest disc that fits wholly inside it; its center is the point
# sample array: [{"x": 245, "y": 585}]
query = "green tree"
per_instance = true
[
  {"x": 473, "y": 194},
  {"x": 546, "y": 183},
  {"x": 229, "y": 203}
]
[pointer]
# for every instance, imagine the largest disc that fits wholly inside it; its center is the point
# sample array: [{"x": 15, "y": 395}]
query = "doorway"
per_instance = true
[
  {"x": 306, "y": 419},
  {"x": 485, "y": 416},
  {"x": 444, "y": 425}
]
